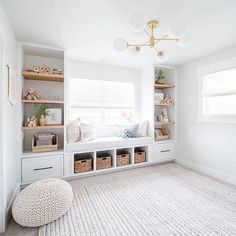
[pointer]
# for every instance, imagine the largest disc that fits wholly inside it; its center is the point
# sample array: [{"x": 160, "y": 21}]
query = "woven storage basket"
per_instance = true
[
  {"x": 139, "y": 156},
  {"x": 45, "y": 148},
  {"x": 103, "y": 161},
  {"x": 83, "y": 163},
  {"x": 122, "y": 158},
  {"x": 164, "y": 136}
]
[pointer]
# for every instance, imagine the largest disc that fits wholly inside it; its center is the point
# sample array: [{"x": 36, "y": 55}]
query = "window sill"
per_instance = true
[{"x": 217, "y": 119}]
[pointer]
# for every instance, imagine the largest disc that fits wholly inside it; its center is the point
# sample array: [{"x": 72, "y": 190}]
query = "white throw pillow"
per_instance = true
[
  {"x": 87, "y": 131},
  {"x": 142, "y": 128}
]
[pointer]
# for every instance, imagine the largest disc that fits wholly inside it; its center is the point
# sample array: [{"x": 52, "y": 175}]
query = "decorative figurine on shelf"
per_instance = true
[
  {"x": 45, "y": 69},
  {"x": 36, "y": 69},
  {"x": 59, "y": 72},
  {"x": 159, "y": 77},
  {"x": 168, "y": 101},
  {"x": 165, "y": 115},
  {"x": 54, "y": 71},
  {"x": 31, "y": 94},
  {"x": 31, "y": 122}
]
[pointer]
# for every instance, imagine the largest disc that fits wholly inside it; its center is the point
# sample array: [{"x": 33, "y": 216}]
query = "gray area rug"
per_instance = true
[{"x": 169, "y": 200}]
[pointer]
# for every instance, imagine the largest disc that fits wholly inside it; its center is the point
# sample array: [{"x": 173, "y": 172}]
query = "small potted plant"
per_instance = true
[
  {"x": 159, "y": 77},
  {"x": 40, "y": 113}
]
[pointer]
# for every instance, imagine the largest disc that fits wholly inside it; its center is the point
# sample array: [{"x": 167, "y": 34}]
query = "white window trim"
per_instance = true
[{"x": 223, "y": 65}]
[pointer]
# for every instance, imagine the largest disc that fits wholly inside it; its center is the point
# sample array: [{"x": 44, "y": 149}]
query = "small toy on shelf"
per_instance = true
[
  {"x": 54, "y": 71},
  {"x": 164, "y": 115},
  {"x": 59, "y": 72},
  {"x": 45, "y": 69},
  {"x": 31, "y": 122},
  {"x": 31, "y": 94},
  {"x": 36, "y": 69}
]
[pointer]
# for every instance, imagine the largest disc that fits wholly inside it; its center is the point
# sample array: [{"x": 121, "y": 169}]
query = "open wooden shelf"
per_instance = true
[
  {"x": 164, "y": 141},
  {"x": 44, "y": 127},
  {"x": 164, "y": 104},
  {"x": 163, "y": 86},
  {"x": 165, "y": 123},
  {"x": 43, "y": 101},
  {"x": 41, "y": 76}
]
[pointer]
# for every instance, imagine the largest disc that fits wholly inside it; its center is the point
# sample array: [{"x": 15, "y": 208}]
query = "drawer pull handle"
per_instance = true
[
  {"x": 44, "y": 168},
  {"x": 165, "y": 150}
]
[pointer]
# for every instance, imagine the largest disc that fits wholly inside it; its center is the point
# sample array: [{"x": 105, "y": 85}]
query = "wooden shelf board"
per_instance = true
[
  {"x": 164, "y": 104},
  {"x": 44, "y": 127},
  {"x": 43, "y": 101},
  {"x": 41, "y": 76},
  {"x": 164, "y": 141},
  {"x": 163, "y": 86},
  {"x": 165, "y": 123}
]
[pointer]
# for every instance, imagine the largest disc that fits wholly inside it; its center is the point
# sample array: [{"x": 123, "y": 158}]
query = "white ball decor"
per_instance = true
[
  {"x": 162, "y": 56},
  {"x": 137, "y": 22},
  {"x": 120, "y": 44},
  {"x": 134, "y": 50},
  {"x": 42, "y": 202},
  {"x": 185, "y": 40},
  {"x": 177, "y": 28}
]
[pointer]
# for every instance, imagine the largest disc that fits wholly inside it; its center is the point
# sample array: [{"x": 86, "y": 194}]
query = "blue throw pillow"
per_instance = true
[{"x": 130, "y": 132}]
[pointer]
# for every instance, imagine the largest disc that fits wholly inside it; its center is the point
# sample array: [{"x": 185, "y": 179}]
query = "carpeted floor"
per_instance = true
[{"x": 159, "y": 200}]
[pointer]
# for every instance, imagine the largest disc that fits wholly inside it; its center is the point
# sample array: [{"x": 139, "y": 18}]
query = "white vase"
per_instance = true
[{"x": 73, "y": 131}]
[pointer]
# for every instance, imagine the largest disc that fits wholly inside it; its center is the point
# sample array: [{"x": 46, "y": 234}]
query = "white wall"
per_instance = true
[
  {"x": 9, "y": 161},
  {"x": 208, "y": 147}
]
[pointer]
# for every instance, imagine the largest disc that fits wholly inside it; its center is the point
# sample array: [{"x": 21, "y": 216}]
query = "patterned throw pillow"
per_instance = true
[{"x": 130, "y": 132}]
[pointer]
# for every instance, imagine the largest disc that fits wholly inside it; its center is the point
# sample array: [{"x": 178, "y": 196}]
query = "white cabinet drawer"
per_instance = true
[
  {"x": 42, "y": 167},
  {"x": 164, "y": 151}
]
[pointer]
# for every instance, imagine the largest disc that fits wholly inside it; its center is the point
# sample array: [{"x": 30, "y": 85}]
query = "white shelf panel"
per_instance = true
[{"x": 29, "y": 154}]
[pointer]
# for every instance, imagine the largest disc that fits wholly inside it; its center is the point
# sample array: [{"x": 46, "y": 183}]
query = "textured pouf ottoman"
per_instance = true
[{"x": 42, "y": 202}]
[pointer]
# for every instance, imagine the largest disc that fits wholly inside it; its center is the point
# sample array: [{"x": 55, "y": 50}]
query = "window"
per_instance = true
[
  {"x": 106, "y": 103},
  {"x": 218, "y": 92}
]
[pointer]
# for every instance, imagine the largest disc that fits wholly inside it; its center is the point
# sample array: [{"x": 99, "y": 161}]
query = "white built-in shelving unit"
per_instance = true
[
  {"x": 53, "y": 88},
  {"x": 165, "y": 149}
]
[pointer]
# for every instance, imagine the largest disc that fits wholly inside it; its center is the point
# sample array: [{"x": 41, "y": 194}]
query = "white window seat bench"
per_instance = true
[{"x": 108, "y": 143}]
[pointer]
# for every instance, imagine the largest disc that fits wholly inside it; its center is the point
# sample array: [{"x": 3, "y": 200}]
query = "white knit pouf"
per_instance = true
[{"x": 42, "y": 202}]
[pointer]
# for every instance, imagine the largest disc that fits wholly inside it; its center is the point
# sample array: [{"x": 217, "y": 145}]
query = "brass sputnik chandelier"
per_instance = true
[{"x": 177, "y": 34}]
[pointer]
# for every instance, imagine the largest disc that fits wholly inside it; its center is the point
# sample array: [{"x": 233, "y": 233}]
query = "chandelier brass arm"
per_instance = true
[
  {"x": 175, "y": 34},
  {"x": 151, "y": 25}
]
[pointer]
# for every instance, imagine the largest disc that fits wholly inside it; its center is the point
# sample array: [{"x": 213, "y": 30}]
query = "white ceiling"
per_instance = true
[{"x": 87, "y": 28}]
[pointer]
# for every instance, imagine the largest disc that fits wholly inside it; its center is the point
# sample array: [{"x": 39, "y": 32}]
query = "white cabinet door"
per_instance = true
[{"x": 42, "y": 167}]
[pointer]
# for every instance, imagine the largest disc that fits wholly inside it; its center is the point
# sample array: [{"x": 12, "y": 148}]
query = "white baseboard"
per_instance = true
[
  {"x": 9, "y": 205},
  {"x": 208, "y": 171}
]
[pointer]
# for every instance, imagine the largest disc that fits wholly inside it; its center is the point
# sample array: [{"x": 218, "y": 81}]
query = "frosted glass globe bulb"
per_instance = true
[
  {"x": 137, "y": 22},
  {"x": 120, "y": 44}
]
